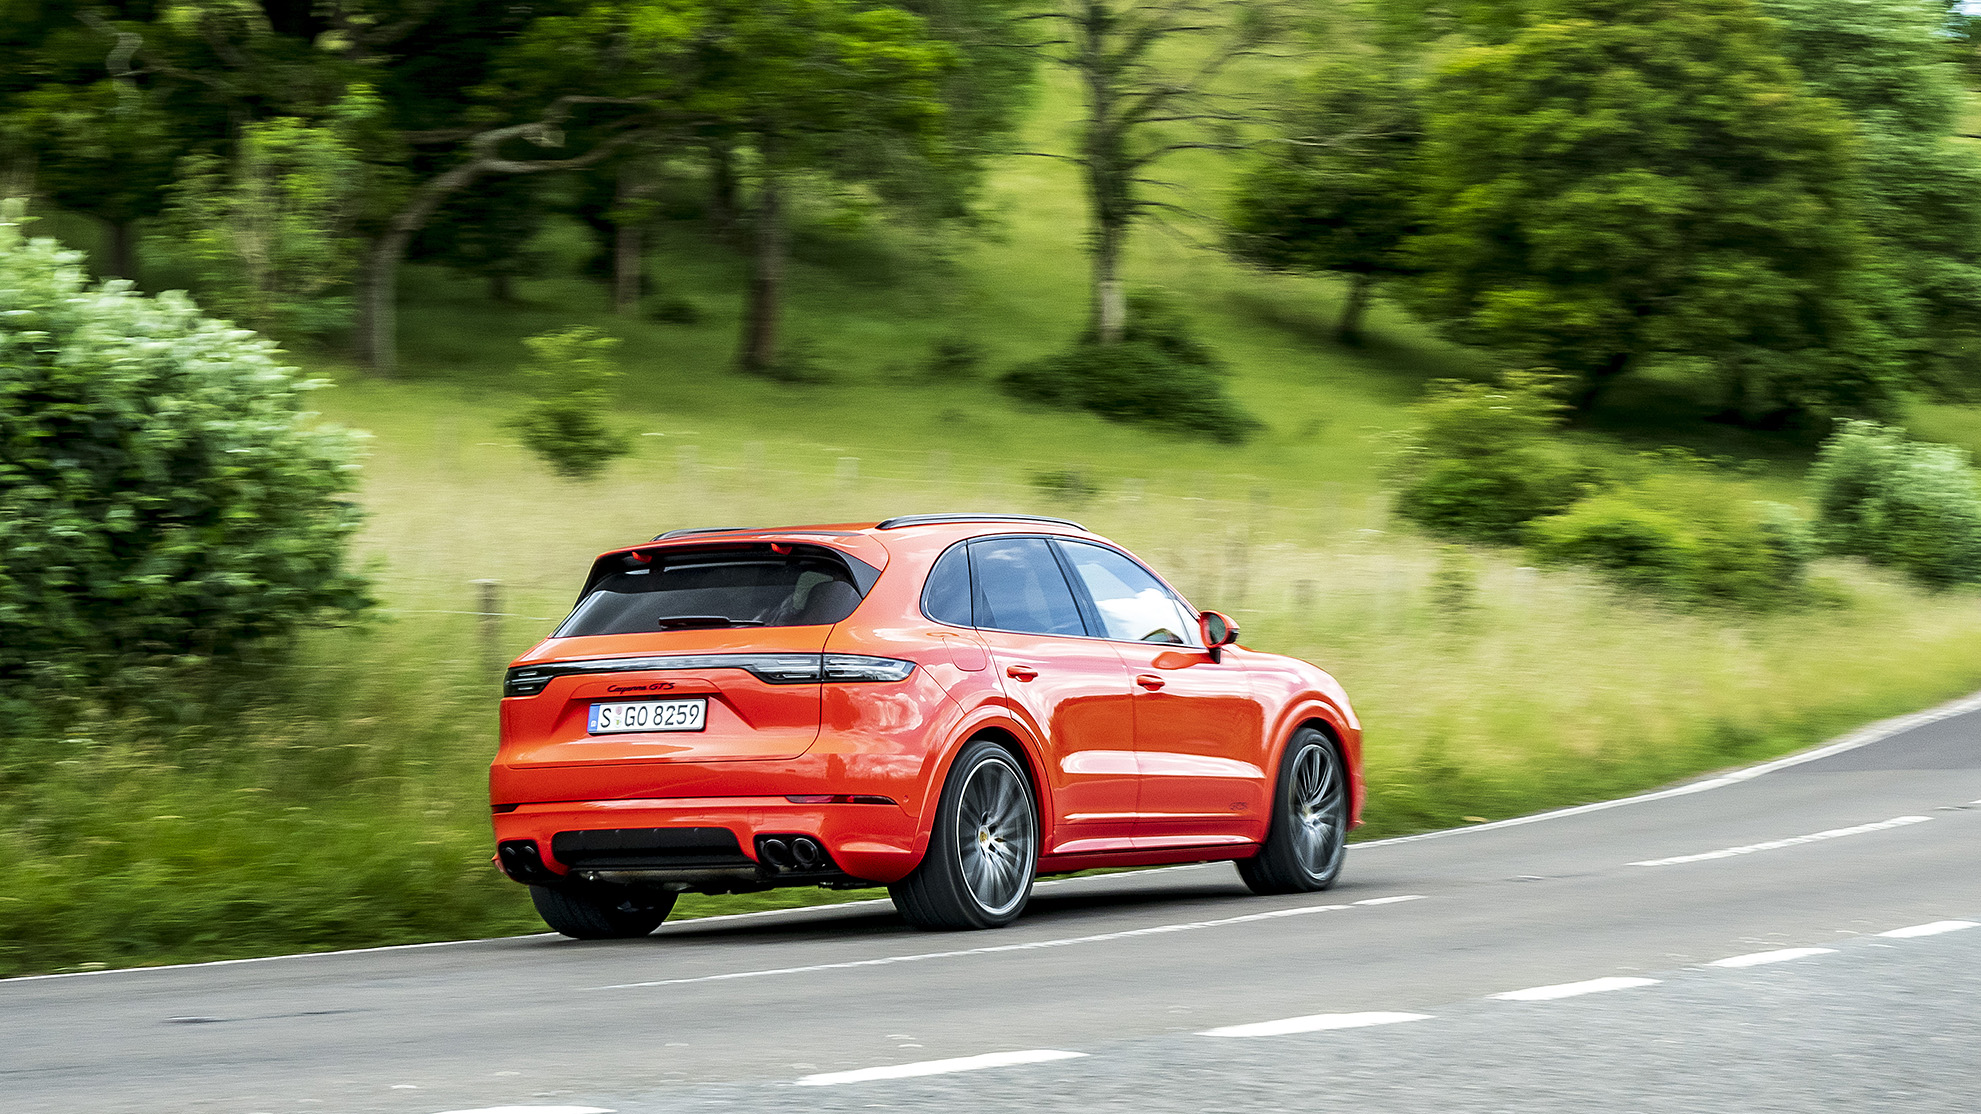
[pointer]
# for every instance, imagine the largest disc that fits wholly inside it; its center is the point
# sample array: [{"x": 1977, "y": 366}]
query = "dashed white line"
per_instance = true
[
  {"x": 1933, "y": 929},
  {"x": 1782, "y": 955},
  {"x": 1313, "y": 1023},
  {"x": 1572, "y": 989},
  {"x": 939, "y": 1067},
  {"x": 1794, "y": 841},
  {"x": 533, "y": 1110},
  {"x": 1034, "y": 945}
]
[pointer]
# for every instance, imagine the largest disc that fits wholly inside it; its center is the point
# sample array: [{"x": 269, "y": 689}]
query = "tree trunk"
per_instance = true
[
  {"x": 723, "y": 205},
  {"x": 1600, "y": 380},
  {"x": 1360, "y": 288},
  {"x": 378, "y": 294},
  {"x": 627, "y": 253},
  {"x": 1110, "y": 310},
  {"x": 759, "y": 342},
  {"x": 120, "y": 249}
]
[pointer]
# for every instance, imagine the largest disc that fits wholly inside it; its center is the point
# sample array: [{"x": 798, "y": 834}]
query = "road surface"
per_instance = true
[{"x": 1567, "y": 962}]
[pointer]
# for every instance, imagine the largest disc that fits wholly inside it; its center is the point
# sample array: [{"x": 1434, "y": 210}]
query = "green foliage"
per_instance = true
[
  {"x": 673, "y": 309},
  {"x": 1680, "y": 533},
  {"x": 952, "y": 358},
  {"x": 1071, "y": 486},
  {"x": 270, "y": 232},
  {"x": 1340, "y": 192},
  {"x": 1912, "y": 506},
  {"x": 1919, "y": 187},
  {"x": 162, "y": 493},
  {"x": 1483, "y": 460},
  {"x": 1585, "y": 211},
  {"x": 569, "y": 372},
  {"x": 1159, "y": 374}
]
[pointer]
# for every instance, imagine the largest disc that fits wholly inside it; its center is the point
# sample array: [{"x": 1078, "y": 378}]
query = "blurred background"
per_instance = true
[{"x": 1588, "y": 384}]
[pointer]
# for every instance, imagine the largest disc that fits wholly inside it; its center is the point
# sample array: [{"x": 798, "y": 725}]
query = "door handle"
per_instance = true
[
  {"x": 1149, "y": 681},
  {"x": 1020, "y": 672}
]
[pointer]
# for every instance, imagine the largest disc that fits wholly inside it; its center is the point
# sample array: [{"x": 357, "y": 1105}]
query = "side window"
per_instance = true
[
  {"x": 1134, "y": 606},
  {"x": 946, "y": 598},
  {"x": 1020, "y": 588}
]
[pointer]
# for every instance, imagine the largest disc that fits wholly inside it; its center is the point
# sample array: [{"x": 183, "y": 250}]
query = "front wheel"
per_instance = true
[
  {"x": 983, "y": 849},
  {"x": 1308, "y": 840},
  {"x": 601, "y": 912}
]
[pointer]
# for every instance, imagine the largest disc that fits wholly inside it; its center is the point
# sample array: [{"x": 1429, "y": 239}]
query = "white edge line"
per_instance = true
[
  {"x": 1784, "y": 844},
  {"x": 534, "y": 1110},
  {"x": 939, "y": 1067},
  {"x": 1782, "y": 955},
  {"x": 1390, "y": 900},
  {"x": 1883, "y": 729},
  {"x": 1571, "y": 989},
  {"x": 1933, "y": 929},
  {"x": 1864, "y": 736},
  {"x": 1313, "y": 1023}
]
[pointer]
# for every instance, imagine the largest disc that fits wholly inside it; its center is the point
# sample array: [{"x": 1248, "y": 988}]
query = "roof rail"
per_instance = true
[
  {"x": 931, "y": 519},
  {"x": 699, "y": 530}
]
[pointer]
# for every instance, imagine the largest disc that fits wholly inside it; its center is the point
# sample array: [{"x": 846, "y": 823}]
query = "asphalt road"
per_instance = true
[{"x": 1100, "y": 998}]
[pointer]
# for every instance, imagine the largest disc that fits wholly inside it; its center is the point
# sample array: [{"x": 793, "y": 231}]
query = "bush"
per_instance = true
[
  {"x": 1913, "y": 507},
  {"x": 673, "y": 309},
  {"x": 1483, "y": 459},
  {"x": 952, "y": 358},
  {"x": 568, "y": 372},
  {"x": 1158, "y": 375},
  {"x": 1683, "y": 535},
  {"x": 162, "y": 493}
]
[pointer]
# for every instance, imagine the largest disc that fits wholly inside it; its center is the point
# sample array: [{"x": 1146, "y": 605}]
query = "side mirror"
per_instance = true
[{"x": 1218, "y": 631}]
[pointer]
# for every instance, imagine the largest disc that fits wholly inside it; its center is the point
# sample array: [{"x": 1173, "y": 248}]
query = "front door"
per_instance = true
[
  {"x": 1072, "y": 688},
  {"x": 1199, "y": 734}
]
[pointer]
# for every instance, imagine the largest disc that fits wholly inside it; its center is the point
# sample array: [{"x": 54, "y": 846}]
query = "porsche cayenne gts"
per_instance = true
[{"x": 947, "y": 705}]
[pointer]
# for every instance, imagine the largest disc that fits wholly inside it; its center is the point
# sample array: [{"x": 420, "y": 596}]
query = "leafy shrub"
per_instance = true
[
  {"x": 1914, "y": 507},
  {"x": 673, "y": 309},
  {"x": 1685, "y": 535},
  {"x": 1158, "y": 375},
  {"x": 1484, "y": 460},
  {"x": 162, "y": 493},
  {"x": 954, "y": 358},
  {"x": 568, "y": 372},
  {"x": 1071, "y": 486}
]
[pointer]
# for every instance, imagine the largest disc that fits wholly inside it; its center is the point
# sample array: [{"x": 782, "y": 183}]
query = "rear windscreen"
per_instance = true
[{"x": 715, "y": 590}]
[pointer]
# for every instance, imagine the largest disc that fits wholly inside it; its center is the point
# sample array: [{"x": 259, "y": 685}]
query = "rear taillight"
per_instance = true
[
  {"x": 775, "y": 669},
  {"x": 859, "y": 667}
]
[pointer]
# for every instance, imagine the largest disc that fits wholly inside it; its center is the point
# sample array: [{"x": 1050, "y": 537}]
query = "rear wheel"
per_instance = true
[
  {"x": 983, "y": 848},
  {"x": 600, "y": 912},
  {"x": 1308, "y": 840}
]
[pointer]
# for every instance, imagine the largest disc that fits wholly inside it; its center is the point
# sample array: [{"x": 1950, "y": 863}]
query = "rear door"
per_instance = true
[
  {"x": 1072, "y": 687},
  {"x": 1199, "y": 733}
]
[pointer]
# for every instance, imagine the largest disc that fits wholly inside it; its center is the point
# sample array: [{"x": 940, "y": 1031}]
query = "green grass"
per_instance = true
[{"x": 343, "y": 803}]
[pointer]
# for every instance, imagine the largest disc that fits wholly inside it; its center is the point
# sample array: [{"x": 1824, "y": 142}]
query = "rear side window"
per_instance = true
[
  {"x": 701, "y": 591},
  {"x": 1020, "y": 588},
  {"x": 946, "y": 599}
]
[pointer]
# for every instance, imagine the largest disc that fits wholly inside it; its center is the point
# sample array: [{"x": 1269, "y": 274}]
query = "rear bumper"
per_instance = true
[{"x": 871, "y": 842}]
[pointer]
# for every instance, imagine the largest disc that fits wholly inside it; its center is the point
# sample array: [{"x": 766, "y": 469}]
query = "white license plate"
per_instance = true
[{"x": 649, "y": 715}]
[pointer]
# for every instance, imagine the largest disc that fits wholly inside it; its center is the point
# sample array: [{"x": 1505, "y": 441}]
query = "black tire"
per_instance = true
[
  {"x": 1308, "y": 838},
  {"x": 601, "y": 912},
  {"x": 983, "y": 849}
]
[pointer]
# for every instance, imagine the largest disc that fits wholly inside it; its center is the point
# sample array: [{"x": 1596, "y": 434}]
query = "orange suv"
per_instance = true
[{"x": 949, "y": 705}]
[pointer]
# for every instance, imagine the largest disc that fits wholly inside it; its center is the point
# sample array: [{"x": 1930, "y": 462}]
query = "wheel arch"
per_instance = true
[{"x": 1318, "y": 713}]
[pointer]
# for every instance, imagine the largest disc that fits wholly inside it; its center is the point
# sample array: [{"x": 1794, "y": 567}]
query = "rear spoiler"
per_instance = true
[{"x": 645, "y": 556}]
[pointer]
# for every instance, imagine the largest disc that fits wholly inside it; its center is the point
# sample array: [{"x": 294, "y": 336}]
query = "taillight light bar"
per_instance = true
[{"x": 773, "y": 669}]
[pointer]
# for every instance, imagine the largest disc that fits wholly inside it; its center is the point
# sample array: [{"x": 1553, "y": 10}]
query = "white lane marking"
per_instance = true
[
  {"x": 1571, "y": 989},
  {"x": 1933, "y": 929},
  {"x": 1783, "y": 955},
  {"x": 1390, "y": 900},
  {"x": 1873, "y": 733},
  {"x": 1034, "y": 945},
  {"x": 1795, "y": 841},
  {"x": 1313, "y": 1023},
  {"x": 533, "y": 1110},
  {"x": 940, "y": 1067}
]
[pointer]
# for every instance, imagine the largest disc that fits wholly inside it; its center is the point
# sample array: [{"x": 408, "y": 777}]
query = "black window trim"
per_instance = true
[{"x": 1082, "y": 599}]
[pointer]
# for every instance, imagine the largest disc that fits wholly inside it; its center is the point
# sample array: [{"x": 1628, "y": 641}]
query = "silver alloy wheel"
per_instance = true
[
  {"x": 996, "y": 836},
  {"x": 1319, "y": 808}
]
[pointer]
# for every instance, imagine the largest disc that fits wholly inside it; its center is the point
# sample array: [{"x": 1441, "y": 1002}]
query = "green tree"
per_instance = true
[
  {"x": 1339, "y": 191},
  {"x": 569, "y": 372},
  {"x": 1885, "y": 62},
  {"x": 162, "y": 492},
  {"x": 1620, "y": 182}
]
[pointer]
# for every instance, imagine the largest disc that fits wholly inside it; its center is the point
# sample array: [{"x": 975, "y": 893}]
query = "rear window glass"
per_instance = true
[{"x": 713, "y": 590}]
